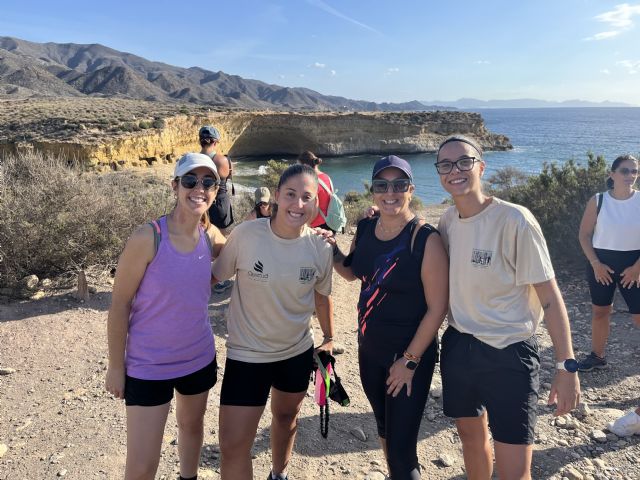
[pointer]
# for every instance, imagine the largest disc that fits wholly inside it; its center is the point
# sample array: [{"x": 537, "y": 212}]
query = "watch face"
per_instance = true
[
  {"x": 571, "y": 365},
  {"x": 410, "y": 364}
]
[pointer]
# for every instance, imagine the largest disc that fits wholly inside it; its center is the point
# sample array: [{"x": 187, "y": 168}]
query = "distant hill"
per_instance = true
[
  {"x": 71, "y": 70},
  {"x": 470, "y": 103}
]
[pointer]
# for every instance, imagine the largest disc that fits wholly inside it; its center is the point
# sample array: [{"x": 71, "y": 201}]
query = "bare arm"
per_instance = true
[
  {"x": 222, "y": 165},
  {"x": 585, "y": 235},
  {"x": 324, "y": 311},
  {"x": 565, "y": 390},
  {"x": 435, "y": 279},
  {"x": 137, "y": 254},
  {"x": 338, "y": 259},
  {"x": 217, "y": 240}
]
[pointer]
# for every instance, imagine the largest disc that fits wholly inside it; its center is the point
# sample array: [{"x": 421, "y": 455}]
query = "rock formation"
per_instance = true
[{"x": 267, "y": 133}]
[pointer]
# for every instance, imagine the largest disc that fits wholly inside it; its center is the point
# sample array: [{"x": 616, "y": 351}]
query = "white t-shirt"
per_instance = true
[
  {"x": 495, "y": 257},
  {"x": 618, "y": 224},
  {"x": 273, "y": 299}
]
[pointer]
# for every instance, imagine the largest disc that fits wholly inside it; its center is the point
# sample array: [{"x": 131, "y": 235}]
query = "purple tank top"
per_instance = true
[{"x": 169, "y": 331}]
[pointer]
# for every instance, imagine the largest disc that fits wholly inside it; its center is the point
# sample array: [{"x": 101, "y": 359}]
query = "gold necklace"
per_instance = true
[{"x": 393, "y": 230}]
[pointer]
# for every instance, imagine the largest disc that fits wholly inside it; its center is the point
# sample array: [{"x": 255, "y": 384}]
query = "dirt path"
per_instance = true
[{"x": 57, "y": 421}]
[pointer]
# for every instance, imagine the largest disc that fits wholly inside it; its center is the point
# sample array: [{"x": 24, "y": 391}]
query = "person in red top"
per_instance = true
[{"x": 310, "y": 159}]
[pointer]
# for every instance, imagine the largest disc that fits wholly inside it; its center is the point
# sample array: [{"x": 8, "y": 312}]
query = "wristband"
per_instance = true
[{"x": 413, "y": 358}]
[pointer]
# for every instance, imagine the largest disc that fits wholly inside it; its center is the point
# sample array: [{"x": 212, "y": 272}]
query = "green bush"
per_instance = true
[
  {"x": 145, "y": 124},
  {"x": 272, "y": 177},
  {"x": 56, "y": 218},
  {"x": 557, "y": 197}
]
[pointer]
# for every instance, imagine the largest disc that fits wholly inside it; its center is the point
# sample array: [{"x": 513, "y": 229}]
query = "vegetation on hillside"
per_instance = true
[{"x": 55, "y": 218}]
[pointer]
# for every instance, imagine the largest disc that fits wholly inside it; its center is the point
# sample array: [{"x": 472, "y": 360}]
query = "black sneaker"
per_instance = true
[
  {"x": 590, "y": 362},
  {"x": 278, "y": 477}
]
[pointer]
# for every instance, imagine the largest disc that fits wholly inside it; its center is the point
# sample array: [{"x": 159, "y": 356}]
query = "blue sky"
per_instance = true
[{"x": 373, "y": 50}]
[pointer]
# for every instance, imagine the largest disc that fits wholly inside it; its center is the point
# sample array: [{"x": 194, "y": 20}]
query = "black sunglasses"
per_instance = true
[
  {"x": 399, "y": 185},
  {"x": 190, "y": 181},
  {"x": 463, "y": 164}
]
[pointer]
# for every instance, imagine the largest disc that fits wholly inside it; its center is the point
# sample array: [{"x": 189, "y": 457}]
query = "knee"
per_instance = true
[
  {"x": 601, "y": 314},
  {"x": 285, "y": 418},
  {"x": 473, "y": 436},
  {"x": 233, "y": 445},
  {"x": 190, "y": 426}
]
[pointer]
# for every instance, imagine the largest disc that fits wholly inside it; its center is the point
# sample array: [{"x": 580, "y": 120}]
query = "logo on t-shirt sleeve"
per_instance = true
[{"x": 481, "y": 258}]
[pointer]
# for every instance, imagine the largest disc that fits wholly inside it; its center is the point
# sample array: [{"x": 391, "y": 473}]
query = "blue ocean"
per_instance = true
[{"x": 538, "y": 135}]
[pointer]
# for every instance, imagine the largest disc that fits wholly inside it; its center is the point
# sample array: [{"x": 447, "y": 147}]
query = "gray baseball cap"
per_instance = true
[{"x": 209, "y": 132}]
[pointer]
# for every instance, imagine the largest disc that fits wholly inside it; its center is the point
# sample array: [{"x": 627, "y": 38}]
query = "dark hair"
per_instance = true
[
  {"x": 295, "y": 170},
  {"x": 309, "y": 158},
  {"x": 616, "y": 163},
  {"x": 461, "y": 138},
  {"x": 206, "y": 141}
]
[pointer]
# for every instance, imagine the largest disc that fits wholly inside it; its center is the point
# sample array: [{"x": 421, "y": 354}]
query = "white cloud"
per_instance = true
[
  {"x": 619, "y": 19},
  {"x": 281, "y": 77},
  {"x": 632, "y": 66},
  {"x": 333, "y": 73},
  {"x": 482, "y": 62},
  {"x": 605, "y": 71},
  {"x": 319, "y": 65},
  {"x": 301, "y": 75},
  {"x": 332, "y": 11},
  {"x": 393, "y": 69}
]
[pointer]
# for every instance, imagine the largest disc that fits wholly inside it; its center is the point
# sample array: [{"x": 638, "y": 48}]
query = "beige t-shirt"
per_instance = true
[
  {"x": 495, "y": 257},
  {"x": 273, "y": 299}
]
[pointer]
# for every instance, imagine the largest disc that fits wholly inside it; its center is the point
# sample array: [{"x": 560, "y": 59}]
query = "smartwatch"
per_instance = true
[
  {"x": 411, "y": 365},
  {"x": 570, "y": 365}
]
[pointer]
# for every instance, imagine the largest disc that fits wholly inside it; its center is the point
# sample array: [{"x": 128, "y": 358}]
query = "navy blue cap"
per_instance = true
[
  {"x": 395, "y": 162},
  {"x": 209, "y": 132}
]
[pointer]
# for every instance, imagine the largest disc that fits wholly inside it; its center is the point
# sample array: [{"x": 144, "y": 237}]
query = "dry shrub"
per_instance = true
[{"x": 55, "y": 218}]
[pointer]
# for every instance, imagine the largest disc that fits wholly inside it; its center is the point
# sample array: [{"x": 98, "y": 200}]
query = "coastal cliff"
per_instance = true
[{"x": 162, "y": 137}]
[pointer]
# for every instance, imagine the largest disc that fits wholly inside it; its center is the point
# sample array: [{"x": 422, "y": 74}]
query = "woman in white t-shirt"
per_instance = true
[{"x": 283, "y": 272}]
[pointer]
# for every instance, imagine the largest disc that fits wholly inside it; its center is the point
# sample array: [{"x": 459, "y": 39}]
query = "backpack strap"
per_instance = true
[
  {"x": 599, "y": 200},
  {"x": 324, "y": 185},
  {"x": 419, "y": 237},
  {"x": 157, "y": 235}
]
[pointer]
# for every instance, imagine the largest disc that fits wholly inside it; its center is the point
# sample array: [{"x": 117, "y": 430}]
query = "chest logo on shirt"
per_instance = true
[
  {"x": 481, "y": 258},
  {"x": 258, "y": 272},
  {"x": 307, "y": 274}
]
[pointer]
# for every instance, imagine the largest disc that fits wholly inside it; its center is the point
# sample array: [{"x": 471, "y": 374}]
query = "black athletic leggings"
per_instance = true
[{"x": 397, "y": 418}]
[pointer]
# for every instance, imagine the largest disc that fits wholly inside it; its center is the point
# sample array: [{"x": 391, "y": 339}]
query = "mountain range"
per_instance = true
[
  {"x": 473, "y": 103},
  {"x": 74, "y": 70}
]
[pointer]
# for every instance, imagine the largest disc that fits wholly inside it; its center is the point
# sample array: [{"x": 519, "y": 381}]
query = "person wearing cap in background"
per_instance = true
[
  {"x": 158, "y": 329},
  {"x": 502, "y": 284},
  {"x": 220, "y": 212},
  {"x": 262, "y": 208},
  {"x": 324, "y": 191},
  {"x": 403, "y": 267}
]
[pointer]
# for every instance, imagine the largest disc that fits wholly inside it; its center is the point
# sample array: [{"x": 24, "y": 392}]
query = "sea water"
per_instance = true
[{"x": 538, "y": 135}]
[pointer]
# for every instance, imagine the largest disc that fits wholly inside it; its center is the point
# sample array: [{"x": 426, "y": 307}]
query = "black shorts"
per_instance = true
[
  {"x": 248, "y": 384},
  {"x": 602, "y": 295},
  {"x": 151, "y": 393},
  {"x": 505, "y": 382},
  {"x": 220, "y": 212}
]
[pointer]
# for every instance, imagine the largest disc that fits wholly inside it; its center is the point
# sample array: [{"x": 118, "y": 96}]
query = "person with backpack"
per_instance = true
[
  {"x": 610, "y": 239},
  {"x": 158, "y": 329},
  {"x": 220, "y": 211},
  {"x": 403, "y": 269},
  {"x": 501, "y": 285},
  {"x": 283, "y": 272},
  {"x": 331, "y": 214}
]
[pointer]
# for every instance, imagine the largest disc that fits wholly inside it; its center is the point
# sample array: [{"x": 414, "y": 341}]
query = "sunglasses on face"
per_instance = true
[
  {"x": 399, "y": 185},
  {"x": 190, "y": 181},
  {"x": 463, "y": 164},
  {"x": 626, "y": 171}
]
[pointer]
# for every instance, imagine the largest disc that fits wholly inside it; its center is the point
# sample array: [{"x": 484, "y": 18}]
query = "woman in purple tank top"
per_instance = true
[{"x": 158, "y": 329}]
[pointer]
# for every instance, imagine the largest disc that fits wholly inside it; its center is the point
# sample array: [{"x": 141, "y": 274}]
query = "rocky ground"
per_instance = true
[{"x": 56, "y": 420}]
